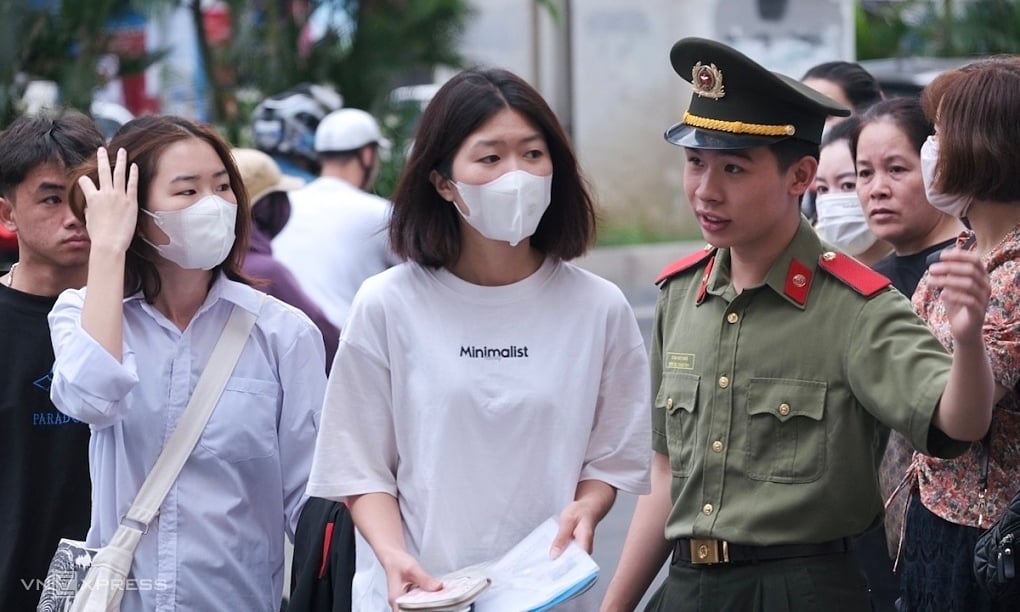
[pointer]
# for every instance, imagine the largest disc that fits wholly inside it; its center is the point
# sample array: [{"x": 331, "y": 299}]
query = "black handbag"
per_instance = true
[
  {"x": 995, "y": 565},
  {"x": 995, "y": 554}
]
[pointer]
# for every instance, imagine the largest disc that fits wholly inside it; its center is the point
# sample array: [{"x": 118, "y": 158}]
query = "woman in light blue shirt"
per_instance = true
[{"x": 168, "y": 223}]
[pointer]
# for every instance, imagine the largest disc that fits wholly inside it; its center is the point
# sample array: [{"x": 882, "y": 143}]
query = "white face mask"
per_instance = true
[
  {"x": 953, "y": 205},
  {"x": 201, "y": 235},
  {"x": 508, "y": 208},
  {"x": 841, "y": 222}
]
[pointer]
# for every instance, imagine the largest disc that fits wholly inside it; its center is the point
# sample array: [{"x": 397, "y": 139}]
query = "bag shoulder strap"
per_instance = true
[{"x": 189, "y": 428}]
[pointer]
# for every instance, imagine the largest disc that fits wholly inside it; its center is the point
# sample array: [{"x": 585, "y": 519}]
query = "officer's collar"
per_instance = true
[{"x": 790, "y": 276}]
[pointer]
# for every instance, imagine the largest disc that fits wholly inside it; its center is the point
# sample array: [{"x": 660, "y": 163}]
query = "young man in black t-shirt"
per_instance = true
[{"x": 45, "y": 476}]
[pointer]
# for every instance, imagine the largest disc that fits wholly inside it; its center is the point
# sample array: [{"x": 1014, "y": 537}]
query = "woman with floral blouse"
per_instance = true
[{"x": 971, "y": 168}]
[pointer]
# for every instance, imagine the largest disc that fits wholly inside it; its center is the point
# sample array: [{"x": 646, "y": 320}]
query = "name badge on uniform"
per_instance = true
[{"x": 679, "y": 361}]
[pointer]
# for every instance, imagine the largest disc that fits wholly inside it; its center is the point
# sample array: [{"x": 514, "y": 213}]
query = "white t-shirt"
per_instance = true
[
  {"x": 481, "y": 408},
  {"x": 336, "y": 237}
]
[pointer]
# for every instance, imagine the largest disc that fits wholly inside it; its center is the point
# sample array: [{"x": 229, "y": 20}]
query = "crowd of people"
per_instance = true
[{"x": 826, "y": 416}]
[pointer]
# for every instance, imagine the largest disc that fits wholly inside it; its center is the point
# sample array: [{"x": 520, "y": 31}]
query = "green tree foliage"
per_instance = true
[
  {"x": 374, "y": 46},
  {"x": 61, "y": 42},
  {"x": 986, "y": 27},
  {"x": 371, "y": 47},
  {"x": 388, "y": 43},
  {"x": 393, "y": 41},
  {"x": 879, "y": 30},
  {"x": 939, "y": 28}
]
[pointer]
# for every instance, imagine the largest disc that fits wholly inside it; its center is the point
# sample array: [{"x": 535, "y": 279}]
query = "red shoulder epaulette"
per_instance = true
[
  {"x": 856, "y": 275},
  {"x": 686, "y": 262}
]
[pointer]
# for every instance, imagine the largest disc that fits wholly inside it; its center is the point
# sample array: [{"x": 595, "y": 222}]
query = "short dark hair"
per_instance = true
[
  {"x": 145, "y": 139},
  {"x": 859, "y": 86},
  {"x": 30, "y": 141},
  {"x": 977, "y": 108},
  {"x": 843, "y": 130},
  {"x": 426, "y": 229},
  {"x": 904, "y": 112},
  {"x": 790, "y": 150}
]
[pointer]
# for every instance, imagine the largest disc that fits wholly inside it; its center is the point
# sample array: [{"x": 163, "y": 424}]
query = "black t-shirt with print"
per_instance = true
[{"x": 44, "y": 463}]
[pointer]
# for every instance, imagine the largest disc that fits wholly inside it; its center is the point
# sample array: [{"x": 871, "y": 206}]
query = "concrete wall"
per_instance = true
[{"x": 604, "y": 67}]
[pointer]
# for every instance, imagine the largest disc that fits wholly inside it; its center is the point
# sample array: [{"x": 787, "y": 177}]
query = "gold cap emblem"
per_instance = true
[{"x": 707, "y": 81}]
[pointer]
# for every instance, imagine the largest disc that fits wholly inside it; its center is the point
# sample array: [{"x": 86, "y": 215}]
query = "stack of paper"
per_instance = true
[{"x": 525, "y": 578}]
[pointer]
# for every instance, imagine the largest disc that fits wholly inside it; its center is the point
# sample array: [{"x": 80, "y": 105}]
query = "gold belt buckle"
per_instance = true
[{"x": 709, "y": 552}]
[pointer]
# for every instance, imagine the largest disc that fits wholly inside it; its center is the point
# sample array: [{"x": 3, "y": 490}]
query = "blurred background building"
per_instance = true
[{"x": 602, "y": 64}]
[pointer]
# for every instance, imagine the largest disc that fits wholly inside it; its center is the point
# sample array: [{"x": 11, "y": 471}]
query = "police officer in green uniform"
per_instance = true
[{"x": 775, "y": 361}]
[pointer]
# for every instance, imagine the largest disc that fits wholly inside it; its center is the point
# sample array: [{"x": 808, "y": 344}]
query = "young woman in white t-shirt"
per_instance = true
[
  {"x": 168, "y": 221},
  {"x": 485, "y": 384}
]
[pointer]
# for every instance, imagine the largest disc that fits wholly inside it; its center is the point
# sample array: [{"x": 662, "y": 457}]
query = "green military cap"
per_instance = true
[{"x": 738, "y": 104}]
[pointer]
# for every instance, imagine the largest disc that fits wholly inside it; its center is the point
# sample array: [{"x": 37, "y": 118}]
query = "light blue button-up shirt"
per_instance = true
[{"x": 217, "y": 542}]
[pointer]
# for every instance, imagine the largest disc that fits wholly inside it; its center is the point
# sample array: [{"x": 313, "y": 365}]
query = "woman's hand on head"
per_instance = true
[{"x": 111, "y": 207}]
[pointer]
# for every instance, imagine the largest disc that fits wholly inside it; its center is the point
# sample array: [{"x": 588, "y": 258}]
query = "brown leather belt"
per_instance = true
[{"x": 712, "y": 552}]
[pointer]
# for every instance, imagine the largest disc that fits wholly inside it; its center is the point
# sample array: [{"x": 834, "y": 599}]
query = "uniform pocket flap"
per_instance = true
[
  {"x": 678, "y": 390},
  {"x": 786, "y": 398}
]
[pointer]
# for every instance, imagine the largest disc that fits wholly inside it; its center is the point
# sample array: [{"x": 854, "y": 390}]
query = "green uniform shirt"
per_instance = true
[{"x": 770, "y": 403}]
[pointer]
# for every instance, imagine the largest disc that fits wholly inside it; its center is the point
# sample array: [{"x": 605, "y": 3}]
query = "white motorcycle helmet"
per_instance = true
[{"x": 285, "y": 123}]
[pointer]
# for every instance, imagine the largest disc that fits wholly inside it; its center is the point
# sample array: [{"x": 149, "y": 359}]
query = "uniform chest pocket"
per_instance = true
[
  {"x": 243, "y": 425},
  {"x": 786, "y": 430},
  {"x": 678, "y": 398}
]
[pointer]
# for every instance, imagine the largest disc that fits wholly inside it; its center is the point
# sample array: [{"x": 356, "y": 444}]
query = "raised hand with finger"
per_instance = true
[
  {"x": 111, "y": 213},
  {"x": 111, "y": 209}
]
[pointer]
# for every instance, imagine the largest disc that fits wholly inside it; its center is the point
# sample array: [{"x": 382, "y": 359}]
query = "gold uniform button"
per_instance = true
[
  {"x": 828, "y": 256},
  {"x": 717, "y": 446},
  {"x": 708, "y": 509},
  {"x": 799, "y": 280},
  {"x": 724, "y": 382},
  {"x": 784, "y": 409},
  {"x": 669, "y": 403},
  {"x": 732, "y": 317}
]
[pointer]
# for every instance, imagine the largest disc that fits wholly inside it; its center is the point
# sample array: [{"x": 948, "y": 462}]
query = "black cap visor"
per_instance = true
[{"x": 683, "y": 135}]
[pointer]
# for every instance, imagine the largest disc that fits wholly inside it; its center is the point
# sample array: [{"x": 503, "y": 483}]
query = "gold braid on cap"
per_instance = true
[{"x": 739, "y": 127}]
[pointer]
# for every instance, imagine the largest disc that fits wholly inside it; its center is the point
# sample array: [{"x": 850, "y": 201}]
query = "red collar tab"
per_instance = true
[
  {"x": 858, "y": 276},
  {"x": 703, "y": 287},
  {"x": 686, "y": 262},
  {"x": 798, "y": 282}
]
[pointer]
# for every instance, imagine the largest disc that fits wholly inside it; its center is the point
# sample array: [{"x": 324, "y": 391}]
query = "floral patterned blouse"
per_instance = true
[{"x": 951, "y": 488}]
